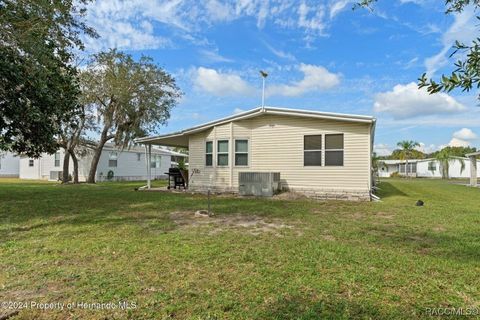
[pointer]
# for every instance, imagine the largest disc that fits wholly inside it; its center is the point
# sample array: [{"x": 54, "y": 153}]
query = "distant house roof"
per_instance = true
[
  {"x": 141, "y": 149},
  {"x": 179, "y": 137},
  {"x": 397, "y": 161},
  {"x": 473, "y": 154}
]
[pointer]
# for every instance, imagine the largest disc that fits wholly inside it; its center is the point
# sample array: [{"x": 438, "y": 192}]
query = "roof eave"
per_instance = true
[{"x": 258, "y": 111}]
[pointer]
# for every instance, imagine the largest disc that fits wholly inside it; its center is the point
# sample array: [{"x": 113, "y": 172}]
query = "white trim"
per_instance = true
[
  {"x": 205, "y": 154},
  {"x": 328, "y": 150},
  {"x": 228, "y": 153},
  {"x": 235, "y": 152}
]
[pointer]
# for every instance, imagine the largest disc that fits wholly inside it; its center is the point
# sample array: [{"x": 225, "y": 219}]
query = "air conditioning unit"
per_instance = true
[{"x": 260, "y": 184}]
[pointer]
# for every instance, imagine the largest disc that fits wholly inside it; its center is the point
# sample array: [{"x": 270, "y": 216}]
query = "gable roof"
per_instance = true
[{"x": 177, "y": 136}]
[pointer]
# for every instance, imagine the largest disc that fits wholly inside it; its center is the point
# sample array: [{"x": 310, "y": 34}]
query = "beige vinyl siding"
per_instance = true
[{"x": 276, "y": 144}]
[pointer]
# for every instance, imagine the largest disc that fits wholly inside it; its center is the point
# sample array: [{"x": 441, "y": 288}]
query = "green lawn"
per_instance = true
[{"x": 256, "y": 259}]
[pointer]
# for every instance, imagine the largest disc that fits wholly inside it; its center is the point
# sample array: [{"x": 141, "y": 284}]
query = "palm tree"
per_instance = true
[
  {"x": 406, "y": 150},
  {"x": 444, "y": 157}
]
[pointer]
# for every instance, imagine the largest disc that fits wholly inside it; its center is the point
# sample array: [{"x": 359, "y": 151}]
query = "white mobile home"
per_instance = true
[
  {"x": 425, "y": 168},
  {"x": 323, "y": 155},
  {"x": 9, "y": 165},
  {"x": 114, "y": 164}
]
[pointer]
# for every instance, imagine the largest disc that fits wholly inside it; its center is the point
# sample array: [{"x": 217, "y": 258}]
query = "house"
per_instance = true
[
  {"x": 388, "y": 167},
  {"x": 425, "y": 168},
  {"x": 9, "y": 165},
  {"x": 320, "y": 154},
  {"x": 114, "y": 164}
]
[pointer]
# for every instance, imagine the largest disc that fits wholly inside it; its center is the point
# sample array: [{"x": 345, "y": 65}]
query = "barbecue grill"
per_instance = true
[{"x": 175, "y": 178}]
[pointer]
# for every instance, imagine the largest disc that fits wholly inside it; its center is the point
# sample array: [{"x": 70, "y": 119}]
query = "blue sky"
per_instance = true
[{"x": 320, "y": 55}]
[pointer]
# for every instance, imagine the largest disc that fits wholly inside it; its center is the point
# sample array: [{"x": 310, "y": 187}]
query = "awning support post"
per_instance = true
[
  {"x": 148, "y": 159},
  {"x": 473, "y": 171}
]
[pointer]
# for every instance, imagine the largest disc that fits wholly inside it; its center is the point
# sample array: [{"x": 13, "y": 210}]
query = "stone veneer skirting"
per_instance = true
[{"x": 317, "y": 194}]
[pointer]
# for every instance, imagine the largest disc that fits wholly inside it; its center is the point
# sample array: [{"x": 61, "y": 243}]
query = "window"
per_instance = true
[
  {"x": 112, "y": 161},
  {"x": 156, "y": 161},
  {"x": 334, "y": 149},
  {"x": 312, "y": 150},
  {"x": 30, "y": 162},
  {"x": 139, "y": 156},
  {"x": 222, "y": 153},
  {"x": 432, "y": 166},
  {"x": 208, "y": 153},
  {"x": 241, "y": 152},
  {"x": 411, "y": 168},
  {"x": 57, "y": 159}
]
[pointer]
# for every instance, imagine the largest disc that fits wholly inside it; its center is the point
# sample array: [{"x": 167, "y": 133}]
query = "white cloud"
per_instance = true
[
  {"x": 280, "y": 53},
  {"x": 337, "y": 6},
  {"x": 413, "y": 1},
  {"x": 382, "y": 149},
  {"x": 462, "y": 138},
  {"x": 221, "y": 84},
  {"x": 406, "y": 101},
  {"x": 315, "y": 78},
  {"x": 311, "y": 18},
  {"x": 455, "y": 142},
  {"x": 465, "y": 134},
  {"x": 463, "y": 29},
  {"x": 213, "y": 56},
  {"x": 427, "y": 149},
  {"x": 238, "y": 110},
  {"x": 119, "y": 22}
]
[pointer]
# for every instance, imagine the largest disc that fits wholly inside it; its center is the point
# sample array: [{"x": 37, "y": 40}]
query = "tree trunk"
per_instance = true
[
  {"x": 75, "y": 166},
  {"x": 66, "y": 165},
  {"x": 95, "y": 160}
]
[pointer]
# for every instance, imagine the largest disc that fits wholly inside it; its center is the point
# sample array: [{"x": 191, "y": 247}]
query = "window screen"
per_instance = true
[
  {"x": 57, "y": 159},
  {"x": 241, "y": 152},
  {"x": 312, "y": 150},
  {"x": 334, "y": 149},
  {"x": 156, "y": 161},
  {"x": 222, "y": 153},
  {"x": 112, "y": 161},
  {"x": 209, "y": 153}
]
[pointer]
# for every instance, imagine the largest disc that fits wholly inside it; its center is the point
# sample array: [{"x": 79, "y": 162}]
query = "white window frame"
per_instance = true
[
  {"x": 328, "y": 150},
  {"x": 209, "y": 153},
  {"x": 56, "y": 162},
  {"x": 434, "y": 166},
  {"x": 222, "y": 153},
  {"x": 111, "y": 157},
  {"x": 235, "y": 152},
  {"x": 314, "y": 150},
  {"x": 31, "y": 163},
  {"x": 156, "y": 161}
]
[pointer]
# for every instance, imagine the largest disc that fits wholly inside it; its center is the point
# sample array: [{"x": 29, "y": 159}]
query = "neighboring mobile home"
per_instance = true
[
  {"x": 425, "y": 168},
  {"x": 323, "y": 155},
  {"x": 9, "y": 165},
  {"x": 127, "y": 164}
]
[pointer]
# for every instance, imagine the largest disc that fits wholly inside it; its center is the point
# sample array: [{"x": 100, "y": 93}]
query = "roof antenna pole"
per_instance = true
[{"x": 264, "y": 76}]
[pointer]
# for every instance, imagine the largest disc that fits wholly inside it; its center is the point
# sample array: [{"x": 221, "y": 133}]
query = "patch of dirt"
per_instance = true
[
  {"x": 439, "y": 229},
  {"x": 288, "y": 195},
  {"x": 252, "y": 224},
  {"x": 328, "y": 237},
  {"x": 384, "y": 215}
]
